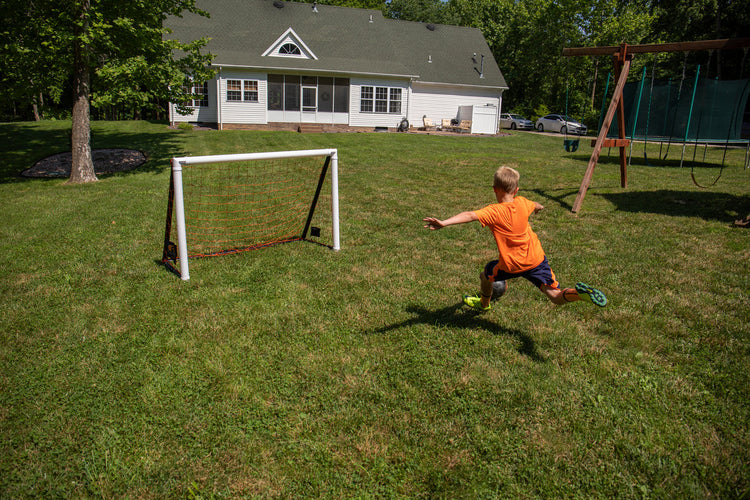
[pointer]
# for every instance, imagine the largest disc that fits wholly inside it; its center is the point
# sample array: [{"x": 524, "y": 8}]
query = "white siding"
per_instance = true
[
  {"x": 359, "y": 119},
  {"x": 205, "y": 115},
  {"x": 443, "y": 101},
  {"x": 243, "y": 112},
  {"x": 435, "y": 101}
]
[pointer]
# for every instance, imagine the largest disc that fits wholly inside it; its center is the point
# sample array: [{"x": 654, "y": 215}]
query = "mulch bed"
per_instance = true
[{"x": 106, "y": 161}]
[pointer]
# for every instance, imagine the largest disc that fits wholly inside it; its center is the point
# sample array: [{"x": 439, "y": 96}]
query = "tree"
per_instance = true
[
  {"x": 359, "y": 4},
  {"x": 32, "y": 64},
  {"x": 425, "y": 11},
  {"x": 689, "y": 20},
  {"x": 111, "y": 52},
  {"x": 527, "y": 37}
]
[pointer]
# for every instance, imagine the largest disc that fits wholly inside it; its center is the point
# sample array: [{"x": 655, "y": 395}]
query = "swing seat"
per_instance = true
[{"x": 571, "y": 145}]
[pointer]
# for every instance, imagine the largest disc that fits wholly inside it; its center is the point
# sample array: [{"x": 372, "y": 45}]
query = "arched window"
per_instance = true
[{"x": 289, "y": 49}]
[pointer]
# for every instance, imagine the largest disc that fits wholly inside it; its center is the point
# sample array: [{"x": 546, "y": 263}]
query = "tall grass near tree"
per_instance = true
[{"x": 295, "y": 371}]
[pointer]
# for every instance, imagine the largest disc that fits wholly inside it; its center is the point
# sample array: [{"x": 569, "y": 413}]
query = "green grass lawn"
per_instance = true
[{"x": 296, "y": 371}]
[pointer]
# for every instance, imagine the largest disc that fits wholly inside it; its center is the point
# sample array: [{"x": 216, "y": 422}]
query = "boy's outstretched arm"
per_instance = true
[{"x": 463, "y": 217}]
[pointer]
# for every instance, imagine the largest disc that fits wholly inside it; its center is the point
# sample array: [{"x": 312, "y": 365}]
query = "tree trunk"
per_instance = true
[
  {"x": 82, "y": 167},
  {"x": 37, "y": 102}
]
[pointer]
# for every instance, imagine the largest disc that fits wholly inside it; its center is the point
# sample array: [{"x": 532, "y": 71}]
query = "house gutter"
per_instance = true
[
  {"x": 316, "y": 71},
  {"x": 444, "y": 84},
  {"x": 412, "y": 78}
]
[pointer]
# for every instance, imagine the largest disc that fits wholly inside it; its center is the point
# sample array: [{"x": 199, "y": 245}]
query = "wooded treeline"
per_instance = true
[
  {"x": 130, "y": 68},
  {"x": 527, "y": 37}
]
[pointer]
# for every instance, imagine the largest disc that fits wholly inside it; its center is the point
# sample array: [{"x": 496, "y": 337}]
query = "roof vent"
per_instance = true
[
  {"x": 431, "y": 27},
  {"x": 371, "y": 18},
  {"x": 278, "y": 4},
  {"x": 315, "y": 7}
]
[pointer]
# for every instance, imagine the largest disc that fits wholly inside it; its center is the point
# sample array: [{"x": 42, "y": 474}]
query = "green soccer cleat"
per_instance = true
[
  {"x": 592, "y": 294},
  {"x": 475, "y": 302}
]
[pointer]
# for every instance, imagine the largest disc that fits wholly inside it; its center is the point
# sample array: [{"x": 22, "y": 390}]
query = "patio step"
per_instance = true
[{"x": 310, "y": 128}]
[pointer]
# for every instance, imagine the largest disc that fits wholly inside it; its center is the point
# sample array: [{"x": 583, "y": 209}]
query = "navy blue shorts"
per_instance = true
[{"x": 540, "y": 275}]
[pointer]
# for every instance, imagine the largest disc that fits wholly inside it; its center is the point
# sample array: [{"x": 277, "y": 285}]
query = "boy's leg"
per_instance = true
[
  {"x": 486, "y": 278},
  {"x": 481, "y": 303},
  {"x": 485, "y": 285},
  {"x": 543, "y": 277},
  {"x": 582, "y": 291},
  {"x": 586, "y": 292},
  {"x": 559, "y": 296}
]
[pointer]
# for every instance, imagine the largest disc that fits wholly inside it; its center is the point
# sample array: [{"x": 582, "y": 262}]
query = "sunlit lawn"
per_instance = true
[{"x": 295, "y": 371}]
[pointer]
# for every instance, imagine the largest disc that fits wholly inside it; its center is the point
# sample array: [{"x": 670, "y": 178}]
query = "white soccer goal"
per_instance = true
[{"x": 223, "y": 204}]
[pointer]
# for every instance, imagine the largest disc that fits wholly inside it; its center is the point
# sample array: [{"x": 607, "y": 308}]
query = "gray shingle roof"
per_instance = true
[{"x": 343, "y": 39}]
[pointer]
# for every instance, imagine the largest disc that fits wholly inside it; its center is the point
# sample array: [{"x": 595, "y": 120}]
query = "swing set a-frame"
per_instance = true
[{"x": 622, "y": 56}]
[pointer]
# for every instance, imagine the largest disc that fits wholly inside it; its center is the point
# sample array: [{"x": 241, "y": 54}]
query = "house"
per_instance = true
[{"x": 283, "y": 64}]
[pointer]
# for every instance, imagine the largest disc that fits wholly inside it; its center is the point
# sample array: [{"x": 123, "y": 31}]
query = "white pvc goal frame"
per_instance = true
[{"x": 331, "y": 156}]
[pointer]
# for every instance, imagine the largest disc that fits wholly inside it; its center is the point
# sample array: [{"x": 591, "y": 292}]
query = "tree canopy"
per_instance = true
[
  {"x": 107, "y": 52},
  {"x": 133, "y": 68},
  {"x": 527, "y": 36}
]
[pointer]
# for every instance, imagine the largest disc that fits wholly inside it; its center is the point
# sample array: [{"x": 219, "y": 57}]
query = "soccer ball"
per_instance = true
[{"x": 498, "y": 289}]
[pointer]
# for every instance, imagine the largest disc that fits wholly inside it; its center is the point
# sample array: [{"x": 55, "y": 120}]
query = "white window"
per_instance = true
[
  {"x": 380, "y": 100},
  {"x": 365, "y": 100},
  {"x": 200, "y": 94},
  {"x": 242, "y": 90},
  {"x": 289, "y": 49},
  {"x": 394, "y": 104}
]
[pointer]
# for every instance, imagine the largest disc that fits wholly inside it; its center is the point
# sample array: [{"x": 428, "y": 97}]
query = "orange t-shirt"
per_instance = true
[{"x": 519, "y": 247}]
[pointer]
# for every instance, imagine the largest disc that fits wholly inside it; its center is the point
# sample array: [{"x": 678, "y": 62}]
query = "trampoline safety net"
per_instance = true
[{"x": 664, "y": 111}]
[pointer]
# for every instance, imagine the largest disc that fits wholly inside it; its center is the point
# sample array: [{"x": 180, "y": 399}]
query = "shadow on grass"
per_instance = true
[
  {"x": 23, "y": 144},
  {"x": 667, "y": 157},
  {"x": 458, "y": 316},
  {"x": 707, "y": 205},
  {"x": 559, "y": 199}
]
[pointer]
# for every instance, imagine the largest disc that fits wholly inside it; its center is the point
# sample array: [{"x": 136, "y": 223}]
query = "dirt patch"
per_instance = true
[{"x": 106, "y": 161}]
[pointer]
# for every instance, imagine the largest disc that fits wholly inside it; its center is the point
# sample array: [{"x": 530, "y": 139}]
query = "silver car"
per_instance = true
[
  {"x": 557, "y": 123},
  {"x": 513, "y": 122}
]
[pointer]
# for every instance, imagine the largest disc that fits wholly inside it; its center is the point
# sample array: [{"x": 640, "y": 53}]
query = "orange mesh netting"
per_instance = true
[{"x": 237, "y": 206}]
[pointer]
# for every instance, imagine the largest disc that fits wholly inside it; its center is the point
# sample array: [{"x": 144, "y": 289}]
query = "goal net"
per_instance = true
[{"x": 224, "y": 204}]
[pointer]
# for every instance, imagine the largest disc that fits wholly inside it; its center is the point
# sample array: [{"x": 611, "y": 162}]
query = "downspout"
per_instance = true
[
  {"x": 219, "y": 123},
  {"x": 499, "y": 109},
  {"x": 408, "y": 100}
]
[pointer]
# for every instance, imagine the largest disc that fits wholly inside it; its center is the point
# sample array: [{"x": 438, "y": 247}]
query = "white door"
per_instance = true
[{"x": 309, "y": 104}]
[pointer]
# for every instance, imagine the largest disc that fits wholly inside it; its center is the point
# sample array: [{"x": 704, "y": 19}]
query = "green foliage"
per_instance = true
[
  {"x": 123, "y": 46},
  {"x": 296, "y": 372},
  {"x": 539, "y": 111},
  {"x": 679, "y": 20},
  {"x": 357, "y": 4},
  {"x": 139, "y": 68},
  {"x": 32, "y": 55},
  {"x": 426, "y": 11},
  {"x": 526, "y": 38},
  {"x": 133, "y": 66}
]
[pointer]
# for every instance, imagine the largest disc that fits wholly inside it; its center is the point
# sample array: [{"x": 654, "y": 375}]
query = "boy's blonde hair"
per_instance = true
[{"x": 506, "y": 178}]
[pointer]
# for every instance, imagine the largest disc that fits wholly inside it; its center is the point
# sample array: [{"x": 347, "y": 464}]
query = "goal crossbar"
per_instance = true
[{"x": 176, "y": 203}]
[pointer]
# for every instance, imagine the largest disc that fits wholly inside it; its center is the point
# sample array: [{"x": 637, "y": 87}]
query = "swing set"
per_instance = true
[{"x": 724, "y": 99}]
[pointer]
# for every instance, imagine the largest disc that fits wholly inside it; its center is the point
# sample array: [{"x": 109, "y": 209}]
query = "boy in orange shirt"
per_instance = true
[{"x": 520, "y": 252}]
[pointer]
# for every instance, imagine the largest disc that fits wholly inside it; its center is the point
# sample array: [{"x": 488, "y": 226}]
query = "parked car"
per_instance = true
[
  {"x": 557, "y": 123},
  {"x": 513, "y": 122}
]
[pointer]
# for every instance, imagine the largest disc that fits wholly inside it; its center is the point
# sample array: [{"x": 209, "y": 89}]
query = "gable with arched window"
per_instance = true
[{"x": 289, "y": 44}]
